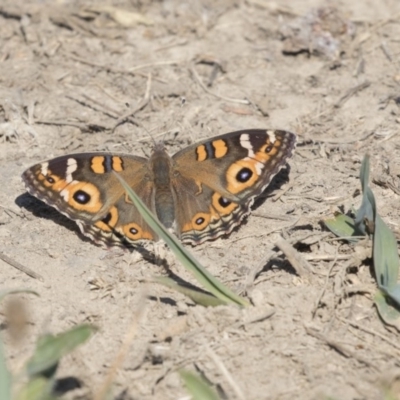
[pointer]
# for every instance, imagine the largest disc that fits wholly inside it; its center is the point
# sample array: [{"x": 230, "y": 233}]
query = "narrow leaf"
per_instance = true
[
  {"x": 5, "y": 292},
  {"x": 394, "y": 293},
  {"x": 185, "y": 257},
  {"x": 198, "y": 297},
  {"x": 364, "y": 172},
  {"x": 50, "y": 348},
  {"x": 366, "y": 212},
  {"x": 5, "y": 376},
  {"x": 38, "y": 388},
  {"x": 198, "y": 389},
  {"x": 385, "y": 255},
  {"x": 389, "y": 314},
  {"x": 343, "y": 226}
]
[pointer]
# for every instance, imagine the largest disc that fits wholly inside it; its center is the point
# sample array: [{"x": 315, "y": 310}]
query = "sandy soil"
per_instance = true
[{"x": 327, "y": 71}]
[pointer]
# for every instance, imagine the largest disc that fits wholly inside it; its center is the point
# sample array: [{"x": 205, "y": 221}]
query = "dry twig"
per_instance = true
[
  {"x": 221, "y": 366},
  {"x": 205, "y": 88},
  {"x": 123, "y": 351},
  {"x": 340, "y": 348},
  {"x": 298, "y": 262},
  {"x": 325, "y": 286},
  {"x": 395, "y": 344},
  {"x": 21, "y": 267},
  {"x": 138, "y": 107},
  {"x": 351, "y": 92}
]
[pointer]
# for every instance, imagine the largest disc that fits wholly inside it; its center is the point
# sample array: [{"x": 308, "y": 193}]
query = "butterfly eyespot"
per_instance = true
[
  {"x": 223, "y": 202},
  {"x": 133, "y": 231},
  {"x": 50, "y": 179},
  {"x": 81, "y": 197},
  {"x": 199, "y": 220},
  {"x": 107, "y": 218},
  {"x": 269, "y": 148},
  {"x": 244, "y": 175}
]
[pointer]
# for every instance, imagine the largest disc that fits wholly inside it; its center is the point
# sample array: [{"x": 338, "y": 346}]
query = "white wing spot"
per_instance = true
[
  {"x": 258, "y": 165},
  {"x": 271, "y": 135},
  {"x": 245, "y": 142},
  {"x": 72, "y": 165},
  {"x": 45, "y": 168},
  {"x": 65, "y": 194}
]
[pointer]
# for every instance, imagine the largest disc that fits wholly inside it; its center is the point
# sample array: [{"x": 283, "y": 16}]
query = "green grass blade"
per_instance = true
[
  {"x": 5, "y": 376},
  {"x": 364, "y": 172},
  {"x": 389, "y": 314},
  {"x": 183, "y": 255},
  {"x": 394, "y": 293},
  {"x": 198, "y": 297},
  {"x": 343, "y": 226},
  {"x": 5, "y": 292},
  {"x": 38, "y": 388},
  {"x": 196, "y": 386},
  {"x": 385, "y": 255},
  {"x": 50, "y": 348},
  {"x": 366, "y": 212}
]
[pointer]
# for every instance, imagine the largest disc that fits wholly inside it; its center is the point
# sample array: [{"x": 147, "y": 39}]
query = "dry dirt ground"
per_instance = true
[{"x": 182, "y": 71}]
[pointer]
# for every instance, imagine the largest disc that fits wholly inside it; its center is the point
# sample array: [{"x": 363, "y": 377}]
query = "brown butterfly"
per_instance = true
[{"x": 202, "y": 192}]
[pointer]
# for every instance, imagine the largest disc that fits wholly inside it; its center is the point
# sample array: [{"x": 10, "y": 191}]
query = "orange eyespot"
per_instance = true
[
  {"x": 82, "y": 196},
  {"x": 199, "y": 222},
  {"x": 134, "y": 232},
  {"x": 109, "y": 221},
  {"x": 242, "y": 174},
  {"x": 222, "y": 205}
]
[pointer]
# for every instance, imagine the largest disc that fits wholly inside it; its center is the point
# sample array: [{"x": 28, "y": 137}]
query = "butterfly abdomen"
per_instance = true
[{"x": 161, "y": 166}]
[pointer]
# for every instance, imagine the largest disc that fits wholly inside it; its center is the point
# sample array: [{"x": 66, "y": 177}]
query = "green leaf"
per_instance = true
[
  {"x": 50, "y": 348},
  {"x": 389, "y": 314},
  {"x": 343, "y": 226},
  {"x": 5, "y": 376},
  {"x": 183, "y": 255},
  {"x": 196, "y": 386},
  {"x": 198, "y": 297},
  {"x": 366, "y": 212},
  {"x": 394, "y": 293},
  {"x": 38, "y": 388},
  {"x": 5, "y": 292},
  {"x": 385, "y": 255}
]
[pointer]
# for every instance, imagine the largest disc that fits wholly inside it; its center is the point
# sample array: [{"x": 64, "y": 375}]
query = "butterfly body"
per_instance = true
[{"x": 202, "y": 192}]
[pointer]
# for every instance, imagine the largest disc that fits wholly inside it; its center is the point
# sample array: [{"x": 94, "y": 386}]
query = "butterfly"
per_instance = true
[{"x": 202, "y": 192}]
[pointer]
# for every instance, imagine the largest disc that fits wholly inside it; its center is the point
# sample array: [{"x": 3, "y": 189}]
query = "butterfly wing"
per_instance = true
[
  {"x": 84, "y": 188},
  {"x": 204, "y": 214},
  {"x": 219, "y": 178}
]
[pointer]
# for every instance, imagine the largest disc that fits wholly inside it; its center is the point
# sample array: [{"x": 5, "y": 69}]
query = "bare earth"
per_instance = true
[{"x": 187, "y": 71}]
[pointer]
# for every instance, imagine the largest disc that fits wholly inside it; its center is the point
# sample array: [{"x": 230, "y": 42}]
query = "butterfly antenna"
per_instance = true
[{"x": 151, "y": 137}]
